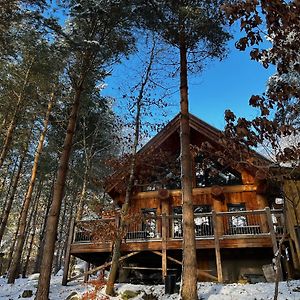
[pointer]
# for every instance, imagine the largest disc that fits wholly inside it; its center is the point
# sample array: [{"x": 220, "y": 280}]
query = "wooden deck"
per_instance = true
[
  {"x": 163, "y": 234},
  {"x": 244, "y": 229}
]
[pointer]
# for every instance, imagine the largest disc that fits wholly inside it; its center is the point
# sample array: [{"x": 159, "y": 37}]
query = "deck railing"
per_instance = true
[{"x": 237, "y": 224}]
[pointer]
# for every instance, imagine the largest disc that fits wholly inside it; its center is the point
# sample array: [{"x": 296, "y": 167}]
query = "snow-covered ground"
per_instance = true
[{"x": 207, "y": 291}]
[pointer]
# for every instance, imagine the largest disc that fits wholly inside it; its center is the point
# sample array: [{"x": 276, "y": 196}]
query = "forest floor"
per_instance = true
[{"x": 207, "y": 291}]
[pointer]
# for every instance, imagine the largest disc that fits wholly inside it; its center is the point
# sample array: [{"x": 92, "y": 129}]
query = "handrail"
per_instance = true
[{"x": 234, "y": 223}]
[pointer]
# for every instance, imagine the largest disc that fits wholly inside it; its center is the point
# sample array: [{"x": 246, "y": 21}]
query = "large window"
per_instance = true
[
  {"x": 208, "y": 173},
  {"x": 161, "y": 170}
]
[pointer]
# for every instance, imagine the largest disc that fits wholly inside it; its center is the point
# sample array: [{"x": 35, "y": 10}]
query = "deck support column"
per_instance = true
[
  {"x": 217, "y": 247},
  {"x": 164, "y": 245},
  {"x": 68, "y": 253},
  {"x": 273, "y": 238},
  {"x": 86, "y": 269}
]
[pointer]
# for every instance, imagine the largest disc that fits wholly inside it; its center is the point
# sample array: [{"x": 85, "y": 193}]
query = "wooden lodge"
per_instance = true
[{"x": 237, "y": 223}]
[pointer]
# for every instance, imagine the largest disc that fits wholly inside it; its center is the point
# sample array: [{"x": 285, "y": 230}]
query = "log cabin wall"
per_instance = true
[{"x": 245, "y": 194}]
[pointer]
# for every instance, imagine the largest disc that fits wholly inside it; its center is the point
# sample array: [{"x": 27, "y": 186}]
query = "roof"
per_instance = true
[{"x": 199, "y": 129}]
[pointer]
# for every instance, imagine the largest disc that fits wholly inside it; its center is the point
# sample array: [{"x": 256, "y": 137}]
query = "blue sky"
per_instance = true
[
  {"x": 228, "y": 84},
  {"x": 223, "y": 85}
]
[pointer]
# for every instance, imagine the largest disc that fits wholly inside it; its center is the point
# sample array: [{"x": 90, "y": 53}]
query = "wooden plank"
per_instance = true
[
  {"x": 217, "y": 248},
  {"x": 102, "y": 266},
  {"x": 203, "y": 273},
  {"x": 246, "y": 236},
  {"x": 147, "y": 268},
  {"x": 68, "y": 253},
  {"x": 168, "y": 257},
  {"x": 199, "y": 191}
]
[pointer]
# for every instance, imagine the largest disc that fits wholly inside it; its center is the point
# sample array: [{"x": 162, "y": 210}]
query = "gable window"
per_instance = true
[{"x": 209, "y": 173}]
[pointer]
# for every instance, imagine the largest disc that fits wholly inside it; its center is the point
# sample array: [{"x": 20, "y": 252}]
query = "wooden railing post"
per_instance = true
[
  {"x": 68, "y": 253},
  {"x": 164, "y": 245},
  {"x": 217, "y": 247}
]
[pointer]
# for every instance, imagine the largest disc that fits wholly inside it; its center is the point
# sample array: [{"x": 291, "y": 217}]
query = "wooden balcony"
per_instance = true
[{"x": 242, "y": 229}]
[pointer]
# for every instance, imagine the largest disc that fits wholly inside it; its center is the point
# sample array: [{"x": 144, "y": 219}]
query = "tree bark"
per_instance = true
[
  {"x": 124, "y": 211},
  {"x": 13, "y": 122},
  {"x": 189, "y": 265},
  {"x": 37, "y": 264},
  {"x": 27, "y": 201},
  {"x": 11, "y": 180},
  {"x": 52, "y": 220},
  {"x": 57, "y": 264},
  {"x": 8, "y": 206},
  {"x": 82, "y": 193},
  {"x": 32, "y": 233},
  {"x": 9, "y": 203}
]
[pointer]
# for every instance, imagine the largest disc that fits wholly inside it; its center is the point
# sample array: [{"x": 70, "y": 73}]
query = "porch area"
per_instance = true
[
  {"x": 163, "y": 234},
  {"x": 241, "y": 225}
]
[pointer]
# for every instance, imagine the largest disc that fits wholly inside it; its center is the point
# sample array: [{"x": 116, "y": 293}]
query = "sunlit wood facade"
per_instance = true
[{"x": 236, "y": 231}]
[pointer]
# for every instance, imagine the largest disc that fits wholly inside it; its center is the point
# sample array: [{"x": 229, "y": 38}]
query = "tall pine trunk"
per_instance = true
[
  {"x": 125, "y": 207},
  {"x": 52, "y": 220},
  {"x": 189, "y": 265},
  {"x": 42, "y": 230},
  {"x": 27, "y": 201}
]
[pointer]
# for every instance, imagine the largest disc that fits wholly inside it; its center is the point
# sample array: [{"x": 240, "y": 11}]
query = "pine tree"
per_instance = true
[
  {"x": 195, "y": 29},
  {"x": 98, "y": 33}
]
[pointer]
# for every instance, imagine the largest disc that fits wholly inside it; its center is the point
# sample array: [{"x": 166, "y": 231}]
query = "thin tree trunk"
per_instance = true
[
  {"x": 8, "y": 190},
  {"x": 9, "y": 203},
  {"x": 124, "y": 211},
  {"x": 4, "y": 122},
  {"x": 12, "y": 247},
  {"x": 52, "y": 220},
  {"x": 56, "y": 263},
  {"x": 3, "y": 182},
  {"x": 21, "y": 234},
  {"x": 32, "y": 232},
  {"x": 8, "y": 207},
  {"x": 82, "y": 194},
  {"x": 70, "y": 214},
  {"x": 189, "y": 265},
  {"x": 13, "y": 122}
]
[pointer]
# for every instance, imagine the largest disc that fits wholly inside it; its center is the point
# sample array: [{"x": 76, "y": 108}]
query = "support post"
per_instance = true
[
  {"x": 217, "y": 247},
  {"x": 273, "y": 238},
  {"x": 271, "y": 230},
  {"x": 68, "y": 253},
  {"x": 87, "y": 268},
  {"x": 164, "y": 245}
]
